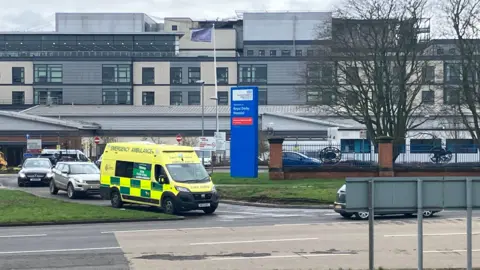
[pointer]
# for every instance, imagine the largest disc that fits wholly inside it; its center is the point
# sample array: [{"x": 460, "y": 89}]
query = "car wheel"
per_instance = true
[
  {"x": 20, "y": 183},
  {"x": 361, "y": 215},
  {"x": 71, "y": 192},
  {"x": 116, "y": 199},
  {"x": 427, "y": 213},
  {"x": 168, "y": 206},
  {"x": 345, "y": 215},
  {"x": 53, "y": 188},
  {"x": 209, "y": 210}
]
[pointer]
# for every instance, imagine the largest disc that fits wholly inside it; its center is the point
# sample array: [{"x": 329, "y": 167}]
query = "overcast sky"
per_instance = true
[{"x": 34, "y": 15}]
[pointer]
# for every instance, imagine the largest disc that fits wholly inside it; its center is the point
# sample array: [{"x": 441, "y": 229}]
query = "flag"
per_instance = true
[{"x": 201, "y": 35}]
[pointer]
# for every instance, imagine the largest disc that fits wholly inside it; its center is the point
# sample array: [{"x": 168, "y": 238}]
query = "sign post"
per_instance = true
[
  {"x": 96, "y": 140},
  {"x": 179, "y": 138},
  {"x": 244, "y": 132}
]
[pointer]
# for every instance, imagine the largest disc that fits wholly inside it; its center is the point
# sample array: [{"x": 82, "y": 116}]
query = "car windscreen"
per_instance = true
[
  {"x": 83, "y": 169},
  {"x": 189, "y": 172},
  {"x": 37, "y": 163}
]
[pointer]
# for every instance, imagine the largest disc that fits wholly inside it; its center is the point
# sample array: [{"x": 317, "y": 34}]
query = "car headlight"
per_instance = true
[
  {"x": 182, "y": 189},
  {"x": 78, "y": 181},
  {"x": 49, "y": 175},
  {"x": 22, "y": 175}
]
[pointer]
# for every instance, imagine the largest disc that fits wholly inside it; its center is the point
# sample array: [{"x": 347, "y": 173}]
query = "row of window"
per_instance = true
[
  {"x": 418, "y": 146},
  {"x": 280, "y": 53},
  {"x": 451, "y": 96},
  {"x": 118, "y": 96}
]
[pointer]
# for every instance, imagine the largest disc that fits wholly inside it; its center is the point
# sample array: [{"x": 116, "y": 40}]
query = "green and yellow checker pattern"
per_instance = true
[{"x": 140, "y": 188}]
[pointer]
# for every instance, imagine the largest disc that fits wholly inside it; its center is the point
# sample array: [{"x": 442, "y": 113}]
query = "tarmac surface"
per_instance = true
[{"x": 235, "y": 237}]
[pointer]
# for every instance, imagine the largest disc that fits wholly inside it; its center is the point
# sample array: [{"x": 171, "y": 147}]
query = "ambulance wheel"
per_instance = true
[
  {"x": 116, "y": 199},
  {"x": 209, "y": 210},
  {"x": 168, "y": 206}
]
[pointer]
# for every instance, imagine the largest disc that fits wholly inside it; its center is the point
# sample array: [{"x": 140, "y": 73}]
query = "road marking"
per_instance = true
[
  {"x": 252, "y": 241},
  {"x": 161, "y": 230},
  {"x": 332, "y": 214},
  {"x": 25, "y": 235},
  {"x": 426, "y": 234},
  {"x": 294, "y": 224},
  {"x": 277, "y": 257},
  {"x": 450, "y": 251},
  {"x": 55, "y": 250}
]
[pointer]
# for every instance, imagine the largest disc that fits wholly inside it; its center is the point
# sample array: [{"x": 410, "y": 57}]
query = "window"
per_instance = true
[
  {"x": 148, "y": 75},
  {"x": 174, "y": 27},
  {"x": 48, "y": 73},
  {"x": 286, "y": 53},
  {"x": 428, "y": 97},
  {"x": 461, "y": 146},
  {"x": 124, "y": 169},
  {"x": 175, "y": 75},
  {"x": 176, "y": 98},
  {"x": 18, "y": 75},
  {"x": 452, "y": 73},
  {"x": 193, "y": 98},
  {"x": 352, "y": 76},
  {"x": 309, "y": 52},
  {"x": 321, "y": 97},
  {"x": 452, "y": 96},
  {"x": 253, "y": 74},
  {"x": 249, "y": 52},
  {"x": 424, "y": 145},
  {"x": 148, "y": 98},
  {"x": 298, "y": 53},
  {"x": 261, "y": 53},
  {"x": 440, "y": 51},
  {"x": 222, "y": 75},
  {"x": 222, "y": 98},
  {"x": 355, "y": 146},
  {"x": 273, "y": 53},
  {"x": 117, "y": 97},
  {"x": 116, "y": 74},
  {"x": 193, "y": 75},
  {"x": 18, "y": 97},
  {"x": 262, "y": 95},
  {"x": 452, "y": 51},
  {"x": 322, "y": 74},
  {"x": 428, "y": 74},
  {"x": 48, "y": 96}
]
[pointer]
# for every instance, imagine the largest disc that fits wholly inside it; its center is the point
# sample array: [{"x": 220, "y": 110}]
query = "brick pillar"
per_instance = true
[
  {"x": 385, "y": 156},
  {"x": 275, "y": 164}
]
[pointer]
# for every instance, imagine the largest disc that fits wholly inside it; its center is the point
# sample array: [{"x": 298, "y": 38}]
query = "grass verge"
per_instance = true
[
  {"x": 263, "y": 190},
  {"x": 18, "y": 207}
]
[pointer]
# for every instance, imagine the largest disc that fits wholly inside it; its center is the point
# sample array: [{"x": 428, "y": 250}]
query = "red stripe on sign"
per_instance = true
[{"x": 242, "y": 121}]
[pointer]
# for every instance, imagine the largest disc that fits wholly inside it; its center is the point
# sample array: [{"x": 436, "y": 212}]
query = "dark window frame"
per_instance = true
[
  {"x": 193, "y": 96},
  {"x": 247, "y": 71},
  {"x": 49, "y": 91},
  {"x": 117, "y": 91},
  {"x": 122, "y": 74},
  {"x": 249, "y": 53},
  {"x": 176, "y": 75},
  {"x": 285, "y": 53},
  {"x": 17, "y": 100},
  {"x": 428, "y": 97},
  {"x": 18, "y": 75},
  {"x": 222, "y": 98},
  {"x": 148, "y": 75},
  {"x": 176, "y": 94},
  {"x": 224, "y": 71},
  {"x": 193, "y": 71},
  {"x": 148, "y": 98},
  {"x": 53, "y": 73},
  {"x": 273, "y": 52}
]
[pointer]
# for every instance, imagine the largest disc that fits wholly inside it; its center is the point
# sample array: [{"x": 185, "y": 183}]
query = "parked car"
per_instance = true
[
  {"x": 76, "y": 178},
  {"x": 340, "y": 203},
  {"x": 291, "y": 158},
  {"x": 35, "y": 170}
]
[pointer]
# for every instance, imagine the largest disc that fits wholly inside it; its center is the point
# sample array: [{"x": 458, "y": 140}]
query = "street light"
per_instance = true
[
  {"x": 202, "y": 84},
  {"x": 216, "y": 124}
]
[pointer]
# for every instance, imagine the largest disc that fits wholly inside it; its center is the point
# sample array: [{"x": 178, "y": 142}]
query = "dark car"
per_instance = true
[
  {"x": 296, "y": 159},
  {"x": 35, "y": 170}
]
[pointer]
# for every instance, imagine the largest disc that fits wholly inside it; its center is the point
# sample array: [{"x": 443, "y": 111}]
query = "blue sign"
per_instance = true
[
  {"x": 27, "y": 155},
  {"x": 244, "y": 132}
]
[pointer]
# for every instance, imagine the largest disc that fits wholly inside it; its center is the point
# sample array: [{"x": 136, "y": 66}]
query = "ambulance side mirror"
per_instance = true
[{"x": 163, "y": 179}]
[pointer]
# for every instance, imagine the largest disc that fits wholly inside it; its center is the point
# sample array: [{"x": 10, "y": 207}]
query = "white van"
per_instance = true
[
  {"x": 74, "y": 154},
  {"x": 207, "y": 156}
]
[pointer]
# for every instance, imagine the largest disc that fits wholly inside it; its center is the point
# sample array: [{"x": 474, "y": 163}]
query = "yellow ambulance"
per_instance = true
[{"x": 168, "y": 176}]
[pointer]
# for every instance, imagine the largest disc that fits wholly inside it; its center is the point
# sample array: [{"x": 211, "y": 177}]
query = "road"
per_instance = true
[{"x": 235, "y": 237}]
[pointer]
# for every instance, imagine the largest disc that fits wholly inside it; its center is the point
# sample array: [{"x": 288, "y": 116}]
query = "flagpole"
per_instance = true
[{"x": 215, "y": 76}]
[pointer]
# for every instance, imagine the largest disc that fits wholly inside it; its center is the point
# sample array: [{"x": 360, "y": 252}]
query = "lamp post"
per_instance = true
[{"x": 202, "y": 84}]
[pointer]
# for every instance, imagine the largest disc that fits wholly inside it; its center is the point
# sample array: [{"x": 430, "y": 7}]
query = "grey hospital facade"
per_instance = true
[{"x": 126, "y": 75}]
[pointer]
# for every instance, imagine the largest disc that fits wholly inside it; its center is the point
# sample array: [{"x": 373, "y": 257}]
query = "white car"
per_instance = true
[{"x": 76, "y": 178}]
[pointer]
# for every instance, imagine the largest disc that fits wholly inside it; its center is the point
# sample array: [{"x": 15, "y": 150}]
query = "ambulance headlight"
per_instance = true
[
  {"x": 214, "y": 189},
  {"x": 182, "y": 189}
]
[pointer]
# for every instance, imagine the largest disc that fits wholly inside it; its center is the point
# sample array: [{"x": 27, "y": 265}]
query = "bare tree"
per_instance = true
[
  {"x": 263, "y": 146},
  {"x": 370, "y": 67},
  {"x": 463, "y": 22},
  {"x": 157, "y": 140},
  {"x": 189, "y": 141}
]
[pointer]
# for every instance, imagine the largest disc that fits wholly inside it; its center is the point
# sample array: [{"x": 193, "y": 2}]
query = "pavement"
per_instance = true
[{"x": 235, "y": 237}]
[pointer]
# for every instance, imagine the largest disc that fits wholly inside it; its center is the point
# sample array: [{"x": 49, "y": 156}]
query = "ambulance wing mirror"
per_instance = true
[{"x": 163, "y": 179}]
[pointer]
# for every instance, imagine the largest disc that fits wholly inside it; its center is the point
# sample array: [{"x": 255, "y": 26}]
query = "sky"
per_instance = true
[{"x": 31, "y": 15}]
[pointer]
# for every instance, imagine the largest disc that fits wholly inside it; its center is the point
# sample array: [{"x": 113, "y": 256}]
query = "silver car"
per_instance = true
[{"x": 76, "y": 178}]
